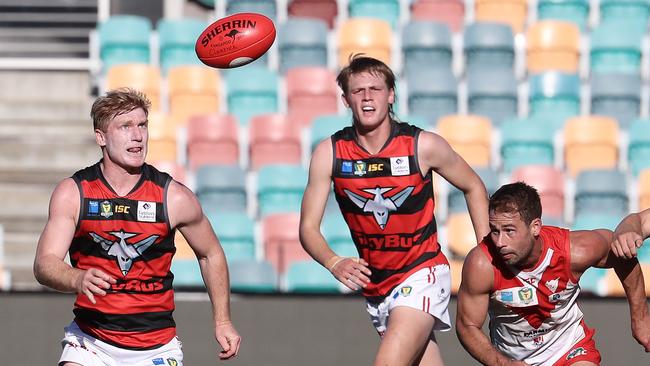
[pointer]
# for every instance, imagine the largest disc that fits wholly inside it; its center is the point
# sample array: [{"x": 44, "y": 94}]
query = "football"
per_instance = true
[{"x": 235, "y": 40}]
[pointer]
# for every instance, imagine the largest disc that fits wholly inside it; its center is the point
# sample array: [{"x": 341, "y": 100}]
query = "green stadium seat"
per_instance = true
[
  {"x": 310, "y": 277},
  {"x": 302, "y": 42},
  {"x": 177, "y": 39},
  {"x": 387, "y": 10},
  {"x": 187, "y": 273},
  {"x": 489, "y": 45},
  {"x": 252, "y": 91},
  {"x": 615, "y": 47},
  {"x": 601, "y": 190},
  {"x": 426, "y": 44},
  {"x": 593, "y": 281},
  {"x": 250, "y": 276},
  {"x": 326, "y": 125},
  {"x": 616, "y": 95},
  {"x": 575, "y": 11},
  {"x": 432, "y": 93},
  {"x": 638, "y": 153},
  {"x": 554, "y": 96},
  {"x": 337, "y": 234},
  {"x": 525, "y": 142},
  {"x": 267, "y": 8},
  {"x": 221, "y": 188},
  {"x": 124, "y": 39},
  {"x": 456, "y": 198},
  {"x": 492, "y": 93},
  {"x": 235, "y": 231},
  {"x": 634, "y": 12},
  {"x": 280, "y": 188}
]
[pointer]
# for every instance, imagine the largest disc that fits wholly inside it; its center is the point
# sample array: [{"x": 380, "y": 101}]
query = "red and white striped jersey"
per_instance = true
[{"x": 533, "y": 314}]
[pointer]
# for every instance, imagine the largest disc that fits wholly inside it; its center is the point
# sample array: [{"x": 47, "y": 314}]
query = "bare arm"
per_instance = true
[
  {"x": 352, "y": 272},
  {"x": 435, "y": 153},
  {"x": 185, "y": 213},
  {"x": 592, "y": 248},
  {"x": 50, "y": 268},
  {"x": 630, "y": 233},
  {"x": 473, "y": 300}
]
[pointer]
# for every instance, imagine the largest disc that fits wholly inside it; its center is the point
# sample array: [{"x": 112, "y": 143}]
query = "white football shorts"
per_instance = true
[
  {"x": 428, "y": 289},
  {"x": 81, "y": 348}
]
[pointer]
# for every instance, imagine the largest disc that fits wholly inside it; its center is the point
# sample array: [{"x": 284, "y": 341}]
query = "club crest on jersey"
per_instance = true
[
  {"x": 107, "y": 209},
  {"x": 525, "y": 295},
  {"x": 123, "y": 251},
  {"x": 360, "y": 168},
  {"x": 379, "y": 205},
  {"x": 406, "y": 290},
  {"x": 172, "y": 362},
  {"x": 576, "y": 352},
  {"x": 552, "y": 284}
]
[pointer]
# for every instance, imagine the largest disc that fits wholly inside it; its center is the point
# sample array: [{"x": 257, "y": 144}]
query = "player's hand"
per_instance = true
[
  {"x": 625, "y": 244},
  {"x": 93, "y": 282},
  {"x": 352, "y": 272},
  {"x": 228, "y": 339},
  {"x": 641, "y": 332}
]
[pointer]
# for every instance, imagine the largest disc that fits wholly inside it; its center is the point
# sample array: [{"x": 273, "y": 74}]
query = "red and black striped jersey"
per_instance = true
[
  {"x": 388, "y": 205},
  {"x": 130, "y": 238}
]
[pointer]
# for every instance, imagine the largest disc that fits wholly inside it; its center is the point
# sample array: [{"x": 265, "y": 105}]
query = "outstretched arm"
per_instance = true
[
  {"x": 630, "y": 233},
  {"x": 473, "y": 301},
  {"x": 185, "y": 213},
  {"x": 592, "y": 248},
  {"x": 352, "y": 272},
  {"x": 50, "y": 268},
  {"x": 435, "y": 153}
]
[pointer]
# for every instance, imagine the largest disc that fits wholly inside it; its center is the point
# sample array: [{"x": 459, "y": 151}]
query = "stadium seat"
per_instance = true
[
  {"x": 187, "y": 273},
  {"x": 616, "y": 95},
  {"x": 456, "y": 198},
  {"x": 553, "y": 45},
  {"x": 590, "y": 142},
  {"x": 601, "y": 190},
  {"x": 426, "y": 44},
  {"x": 492, "y": 93},
  {"x": 549, "y": 182},
  {"x": 574, "y": 11},
  {"x": 470, "y": 136},
  {"x": 235, "y": 233},
  {"x": 554, "y": 97},
  {"x": 593, "y": 281},
  {"x": 460, "y": 234},
  {"x": 251, "y": 276},
  {"x": 212, "y": 139},
  {"x": 142, "y": 77},
  {"x": 456, "y": 269},
  {"x": 310, "y": 277},
  {"x": 634, "y": 12},
  {"x": 510, "y": 12},
  {"x": 311, "y": 91},
  {"x": 644, "y": 189},
  {"x": 162, "y": 138},
  {"x": 450, "y": 12},
  {"x": 372, "y": 37},
  {"x": 273, "y": 139},
  {"x": 386, "y": 10},
  {"x": 326, "y": 125},
  {"x": 177, "y": 39},
  {"x": 337, "y": 234},
  {"x": 280, "y": 188},
  {"x": 302, "y": 42},
  {"x": 221, "y": 188},
  {"x": 281, "y": 243},
  {"x": 613, "y": 286},
  {"x": 432, "y": 94},
  {"x": 638, "y": 153},
  {"x": 591, "y": 221},
  {"x": 183, "y": 249},
  {"x": 489, "y": 46},
  {"x": 615, "y": 47},
  {"x": 193, "y": 90},
  {"x": 267, "y": 8},
  {"x": 124, "y": 39},
  {"x": 252, "y": 91},
  {"x": 325, "y": 10},
  {"x": 176, "y": 170},
  {"x": 526, "y": 142}
]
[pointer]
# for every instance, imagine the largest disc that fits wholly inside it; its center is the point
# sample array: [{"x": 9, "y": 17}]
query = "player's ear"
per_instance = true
[
  {"x": 391, "y": 96},
  {"x": 345, "y": 101},
  {"x": 100, "y": 137},
  {"x": 536, "y": 226}
]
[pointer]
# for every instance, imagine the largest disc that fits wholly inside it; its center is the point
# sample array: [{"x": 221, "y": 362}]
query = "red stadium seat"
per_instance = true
[
  {"x": 176, "y": 170},
  {"x": 450, "y": 12},
  {"x": 549, "y": 183},
  {"x": 273, "y": 139},
  {"x": 281, "y": 242},
  {"x": 325, "y": 10},
  {"x": 212, "y": 139},
  {"x": 311, "y": 91}
]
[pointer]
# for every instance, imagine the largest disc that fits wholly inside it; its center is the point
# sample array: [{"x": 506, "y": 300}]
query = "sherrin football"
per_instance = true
[{"x": 235, "y": 40}]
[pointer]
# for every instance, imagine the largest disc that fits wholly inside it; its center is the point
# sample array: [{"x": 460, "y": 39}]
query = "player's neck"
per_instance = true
[
  {"x": 535, "y": 256},
  {"x": 374, "y": 139},
  {"x": 120, "y": 179}
]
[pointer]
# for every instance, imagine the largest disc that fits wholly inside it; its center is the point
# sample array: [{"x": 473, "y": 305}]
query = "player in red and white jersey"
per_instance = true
[
  {"x": 526, "y": 277},
  {"x": 382, "y": 174},
  {"x": 117, "y": 220}
]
